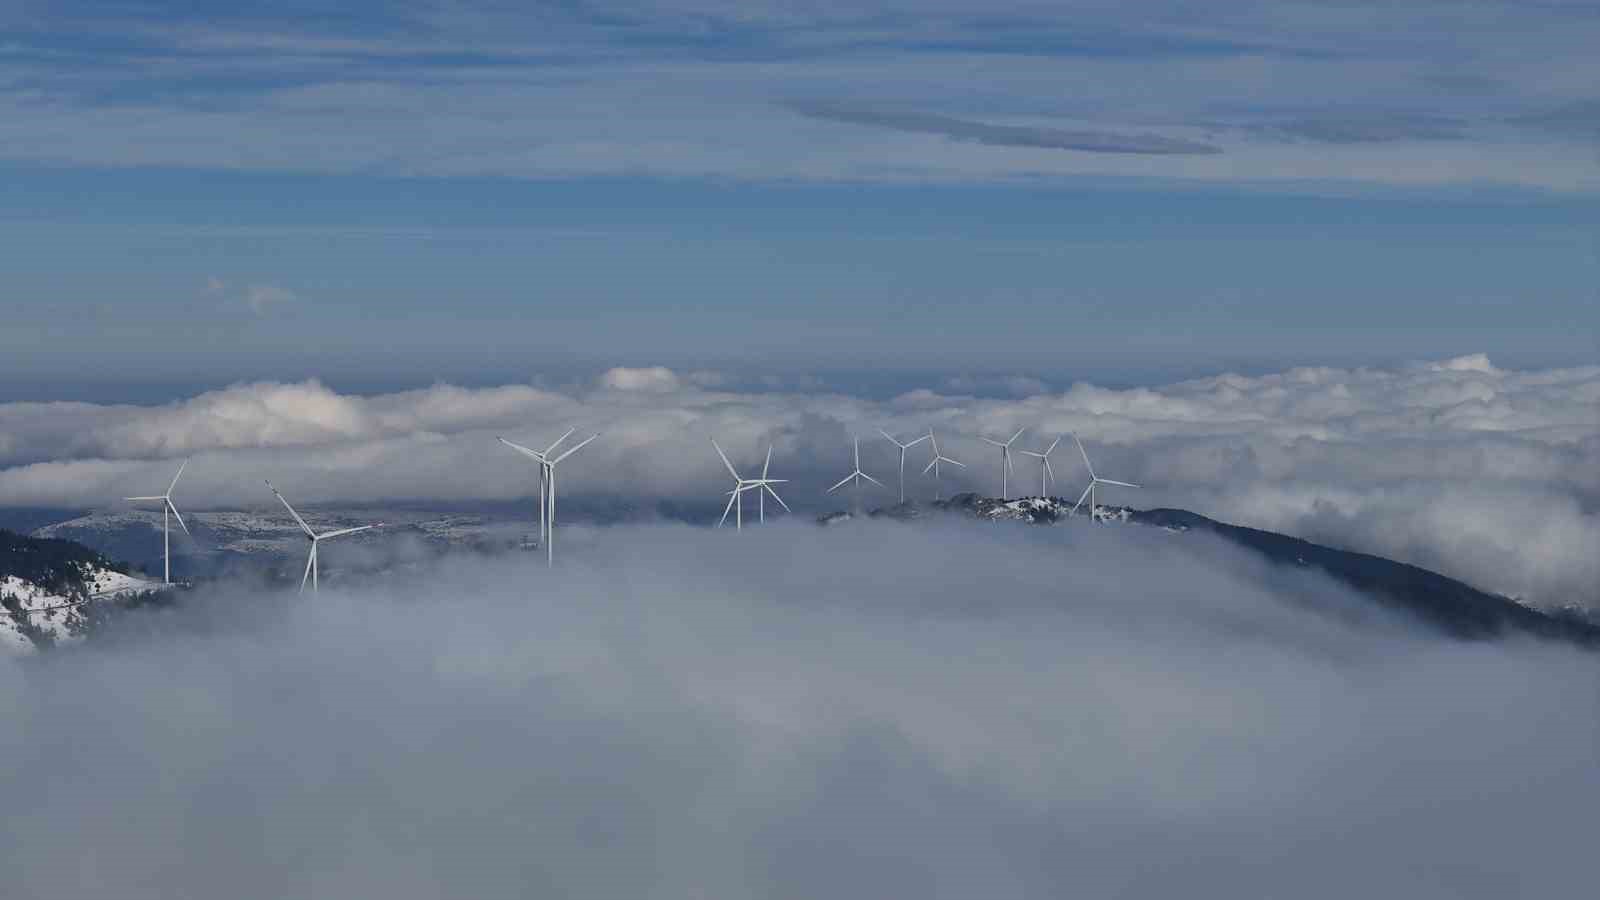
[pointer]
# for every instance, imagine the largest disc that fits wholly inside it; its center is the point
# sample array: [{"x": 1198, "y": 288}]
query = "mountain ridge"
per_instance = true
[{"x": 1453, "y": 606}]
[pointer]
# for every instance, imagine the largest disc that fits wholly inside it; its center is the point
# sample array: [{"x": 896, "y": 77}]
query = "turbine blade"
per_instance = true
[
  {"x": 733, "y": 496},
  {"x": 145, "y": 498},
  {"x": 303, "y": 526},
  {"x": 768, "y": 489},
  {"x": 892, "y": 440},
  {"x": 552, "y": 448},
  {"x": 180, "y": 519},
  {"x": 955, "y": 462},
  {"x": 844, "y": 481},
  {"x": 176, "y": 477},
  {"x": 990, "y": 441},
  {"x": 1031, "y": 453},
  {"x": 1081, "y": 497},
  {"x": 731, "y": 470},
  {"x": 570, "y": 451},
  {"x": 1017, "y": 435},
  {"x": 1048, "y": 470},
  {"x": 768, "y": 463},
  {"x": 931, "y": 463},
  {"x": 871, "y": 479},
  {"x": 342, "y": 531},
  {"x": 913, "y": 443},
  {"x": 1086, "y": 464},
  {"x": 1118, "y": 483},
  {"x": 1052, "y": 446},
  {"x": 525, "y": 451}
]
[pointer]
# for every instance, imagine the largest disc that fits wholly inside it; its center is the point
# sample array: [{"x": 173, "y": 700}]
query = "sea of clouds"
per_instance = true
[
  {"x": 1485, "y": 474},
  {"x": 877, "y": 710}
]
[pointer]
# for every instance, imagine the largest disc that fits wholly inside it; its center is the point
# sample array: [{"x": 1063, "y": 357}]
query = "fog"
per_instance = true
[{"x": 872, "y": 710}]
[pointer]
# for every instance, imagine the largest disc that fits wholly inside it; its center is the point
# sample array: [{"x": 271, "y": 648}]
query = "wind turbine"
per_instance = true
[
  {"x": 934, "y": 464},
  {"x": 1044, "y": 466},
  {"x": 550, "y": 464},
  {"x": 856, "y": 475},
  {"x": 762, "y": 486},
  {"x": 315, "y": 539},
  {"x": 1093, "y": 480},
  {"x": 903, "y": 448},
  {"x": 544, "y": 475},
  {"x": 167, "y": 510},
  {"x": 1005, "y": 455}
]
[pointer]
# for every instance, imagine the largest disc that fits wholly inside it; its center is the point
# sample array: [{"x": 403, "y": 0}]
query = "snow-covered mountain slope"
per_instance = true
[{"x": 49, "y": 590}]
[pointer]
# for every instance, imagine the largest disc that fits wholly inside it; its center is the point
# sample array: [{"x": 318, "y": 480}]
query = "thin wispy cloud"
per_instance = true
[
  {"x": 693, "y": 89},
  {"x": 998, "y": 135},
  {"x": 260, "y": 299}
]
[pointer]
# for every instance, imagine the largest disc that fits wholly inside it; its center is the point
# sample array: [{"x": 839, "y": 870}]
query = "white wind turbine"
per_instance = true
[
  {"x": 315, "y": 539},
  {"x": 1044, "y": 466},
  {"x": 550, "y": 464},
  {"x": 1005, "y": 455},
  {"x": 903, "y": 448},
  {"x": 167, "y": 510},
  {"x": 762, "y": 486},
  {"x": 856, "y": 475},
  {"x": 934, "y": 464},
  {"x": 1093, "y": 480},
  {"x": 544, "y": 477}
]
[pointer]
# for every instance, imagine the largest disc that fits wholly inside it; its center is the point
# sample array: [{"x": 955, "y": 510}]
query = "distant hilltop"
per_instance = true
[
  {"x": 49, "y": 589},
  {"x": 1452, "y": 606}
]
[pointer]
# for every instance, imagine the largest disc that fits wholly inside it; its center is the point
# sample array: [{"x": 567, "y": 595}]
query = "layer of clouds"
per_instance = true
[
  {"x": 876, "y": 711},
  {"x": 1488, "y": 475},
  {"x": 1290, "y": 93}
]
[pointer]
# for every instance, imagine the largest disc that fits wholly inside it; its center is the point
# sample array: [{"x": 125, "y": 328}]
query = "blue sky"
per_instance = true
[{"x": 389, "y": 194}]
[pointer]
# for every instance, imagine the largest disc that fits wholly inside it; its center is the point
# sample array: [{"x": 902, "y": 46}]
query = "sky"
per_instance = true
[{"x": 387, "y": 195}]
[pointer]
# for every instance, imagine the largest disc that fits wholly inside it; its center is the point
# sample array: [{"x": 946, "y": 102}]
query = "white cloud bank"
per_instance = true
[
  {"x": 1489, "y": 475},
  {"x": 936, "y": 712}
]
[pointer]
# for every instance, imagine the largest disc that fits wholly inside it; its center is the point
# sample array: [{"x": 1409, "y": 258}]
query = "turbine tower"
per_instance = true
[
  {"x": 903, "y": 448},
  {"x": 1044, "y": 466},
  {"x": 762, "y": 486},
  {"x": 315, "y": 539},
  {"x": 1093, "y": 480},
  {"x": 1005, "y": 457},
  {"x": 934, "y": 464},
  {"x": 168, "y": 510},
  {"x": 856, "y": 475},
  {"x": 544, "y": 475}
]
